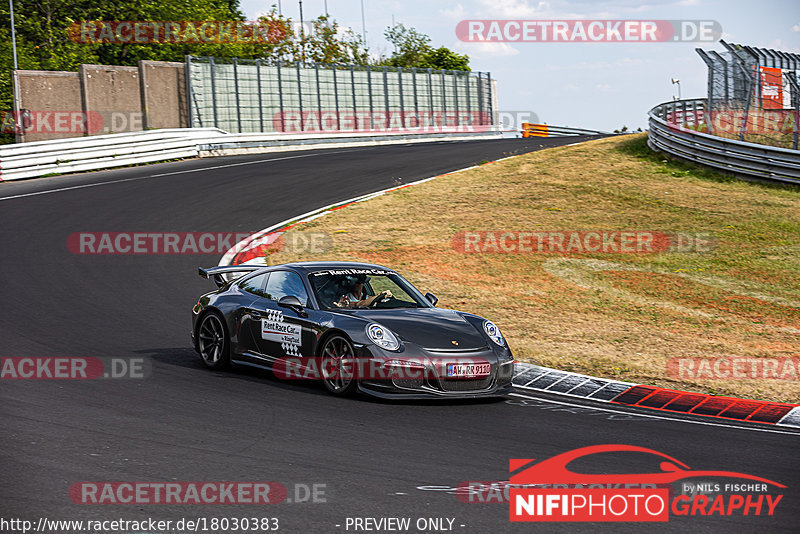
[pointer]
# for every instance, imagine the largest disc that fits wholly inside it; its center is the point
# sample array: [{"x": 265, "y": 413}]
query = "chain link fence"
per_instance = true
[
  {"x": 753, "y": 96},
  {"x": 241, "y": 95}
]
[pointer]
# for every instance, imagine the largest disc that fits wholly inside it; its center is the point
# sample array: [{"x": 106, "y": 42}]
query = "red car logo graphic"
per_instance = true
[{"x": 554, "y": 470}]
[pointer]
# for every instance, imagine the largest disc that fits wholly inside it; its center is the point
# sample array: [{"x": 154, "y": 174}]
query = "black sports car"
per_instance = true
[{"x": 354, "y": 326}]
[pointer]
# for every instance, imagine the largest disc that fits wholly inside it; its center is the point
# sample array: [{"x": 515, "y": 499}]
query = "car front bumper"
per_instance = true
[{"x": 432, "y": 382}]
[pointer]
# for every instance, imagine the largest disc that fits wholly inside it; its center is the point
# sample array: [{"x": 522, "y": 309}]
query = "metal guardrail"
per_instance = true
[
  {"x": 548, "y": 130},
  {"x": 669, "y": 134},
  {"x": 58, "y": 156},
  {"x": 41, "y": 158},
  {"x": 254, "y": 143}
]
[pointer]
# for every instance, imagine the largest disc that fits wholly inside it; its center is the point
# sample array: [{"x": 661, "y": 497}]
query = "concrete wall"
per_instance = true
[
  {"x": 51, "y": 96},
  {"x": 115, "y": 94},
  {"x": 163, "y": 94},
  {"x": 101, "y": 99}
]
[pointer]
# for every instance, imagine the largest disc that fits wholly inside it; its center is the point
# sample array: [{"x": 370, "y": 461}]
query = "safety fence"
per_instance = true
[
  {"x": 677, "y": 128},
  {"x": 241, "y": 95},
  {"x": 753, "y": 95}
]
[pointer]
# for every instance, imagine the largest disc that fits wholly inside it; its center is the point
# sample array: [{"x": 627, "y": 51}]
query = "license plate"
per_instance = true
[{"x": 468, "y": 370}]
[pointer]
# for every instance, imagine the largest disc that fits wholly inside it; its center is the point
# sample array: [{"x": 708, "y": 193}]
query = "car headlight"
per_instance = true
[
  {"x": 383, "y": 337},
  {"x": 494, "y": 333}
]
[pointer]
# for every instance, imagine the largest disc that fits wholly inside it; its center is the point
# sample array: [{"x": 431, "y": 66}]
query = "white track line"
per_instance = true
[{"x": 202, "y": 169}]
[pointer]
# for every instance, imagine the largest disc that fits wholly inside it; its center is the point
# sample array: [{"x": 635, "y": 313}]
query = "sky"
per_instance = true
[{"x": 599, "y": 86}]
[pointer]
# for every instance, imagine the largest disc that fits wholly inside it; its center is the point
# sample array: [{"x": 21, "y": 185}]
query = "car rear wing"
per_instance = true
[{"x": 217, "y": 273}]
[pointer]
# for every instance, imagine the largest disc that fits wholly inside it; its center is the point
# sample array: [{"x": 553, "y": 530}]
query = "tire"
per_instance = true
[
  {"x": 213, "y": 342},
  {"x": 336, "y": 377}
]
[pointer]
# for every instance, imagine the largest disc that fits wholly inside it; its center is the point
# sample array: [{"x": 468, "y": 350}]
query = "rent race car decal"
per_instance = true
[
  {"x": 333, "y": 272},
  {"x": 274, "y": 328}
]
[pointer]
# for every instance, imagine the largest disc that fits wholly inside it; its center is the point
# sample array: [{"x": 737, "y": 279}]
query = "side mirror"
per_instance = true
[
  {"x": 293, "y": 303},
  {"x": 432, "y": 298}
]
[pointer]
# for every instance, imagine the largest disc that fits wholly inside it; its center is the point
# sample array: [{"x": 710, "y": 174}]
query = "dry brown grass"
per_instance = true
[{"x": 620, "y": 316}]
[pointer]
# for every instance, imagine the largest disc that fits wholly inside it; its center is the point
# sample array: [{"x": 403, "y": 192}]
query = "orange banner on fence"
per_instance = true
[{"x": 771, "y": 88}]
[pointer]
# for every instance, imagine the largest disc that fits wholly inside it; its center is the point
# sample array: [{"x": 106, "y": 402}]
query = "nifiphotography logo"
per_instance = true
[{"x": 548, "y": 491}]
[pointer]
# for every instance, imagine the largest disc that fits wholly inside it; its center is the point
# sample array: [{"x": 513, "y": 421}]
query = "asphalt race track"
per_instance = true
[{"x": 186, "y": 423}]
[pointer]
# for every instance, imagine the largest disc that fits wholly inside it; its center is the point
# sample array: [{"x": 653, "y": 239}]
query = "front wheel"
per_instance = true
[
  {"x": 338, "y": 366},
  {"x": 213, "y": 342}
]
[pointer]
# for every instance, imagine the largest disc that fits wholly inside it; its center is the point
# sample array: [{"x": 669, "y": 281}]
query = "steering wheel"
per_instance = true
[{"x": 374, "y": 303}]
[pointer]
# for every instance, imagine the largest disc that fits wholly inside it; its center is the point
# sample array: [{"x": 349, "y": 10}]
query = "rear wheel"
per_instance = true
[
  {"x": 338, "y": 366},
  {"x": 213, "y": 342}
]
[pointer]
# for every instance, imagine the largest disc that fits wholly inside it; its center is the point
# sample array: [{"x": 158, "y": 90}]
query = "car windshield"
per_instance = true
[{"x": 364, "y": 288}]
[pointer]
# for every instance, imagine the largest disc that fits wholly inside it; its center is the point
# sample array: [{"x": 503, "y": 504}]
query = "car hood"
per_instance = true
[{"x": 430, "y": 328}]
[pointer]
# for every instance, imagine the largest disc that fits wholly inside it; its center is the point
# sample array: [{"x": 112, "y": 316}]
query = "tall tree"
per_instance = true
[
  {"x": 410, "y": 46},
  {"x": 413, "y": 49},
  {"x": 445, "y": 59}
]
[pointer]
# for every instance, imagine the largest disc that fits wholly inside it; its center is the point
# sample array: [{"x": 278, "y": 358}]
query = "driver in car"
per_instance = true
[{"x": 357, "y": 296}]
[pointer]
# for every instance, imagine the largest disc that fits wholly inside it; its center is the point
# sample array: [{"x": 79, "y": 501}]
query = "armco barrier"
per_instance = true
[
  {"x": 29, "y": 160},
  {"x": 548, "y": 130},
  {"x": 40, "y": 158},
  {"x": 742, "y": 159},
  {"x": 254, "y": 143}
]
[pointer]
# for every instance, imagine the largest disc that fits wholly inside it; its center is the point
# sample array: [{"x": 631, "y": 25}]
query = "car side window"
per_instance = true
[
  {"x": 283, "y": 283},
  {"x": 255, "y": 285}
]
